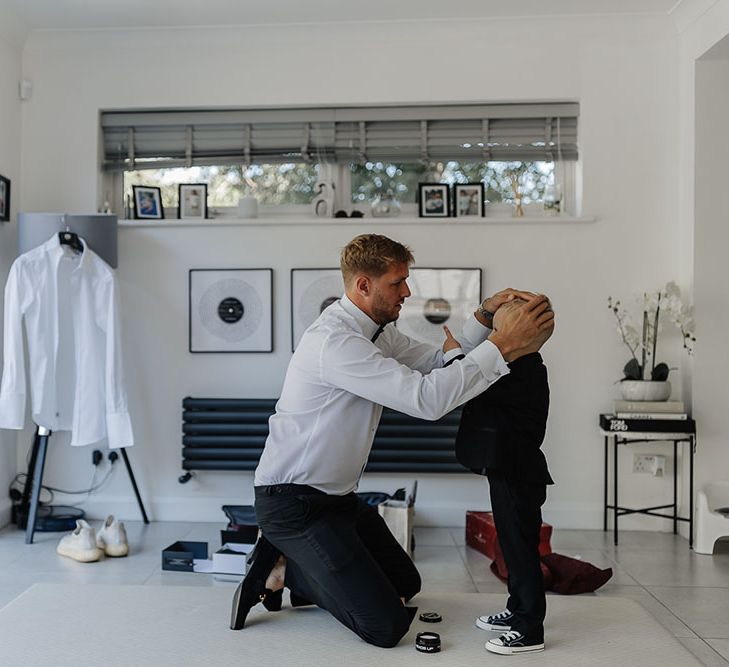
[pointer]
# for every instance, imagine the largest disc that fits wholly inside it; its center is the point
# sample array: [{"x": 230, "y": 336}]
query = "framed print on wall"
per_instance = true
[
  {"x": 312, "y": 290},
  {"x": 231, "y": 310},
  {"x": 438, "y": 297},
  {"x": 433, "y": 200},
  {"x": 468, "y": 200},
  {"x": 192, "y": 201},
  {"x": 4, "y": 199},
  {"x": 147, "y": 203}
]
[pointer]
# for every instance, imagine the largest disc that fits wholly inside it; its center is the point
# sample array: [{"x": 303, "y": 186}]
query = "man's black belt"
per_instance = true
[{"x": 288, "y": 490}]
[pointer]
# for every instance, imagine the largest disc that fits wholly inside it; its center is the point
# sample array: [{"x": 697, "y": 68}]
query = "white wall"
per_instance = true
[
  {"x": 624, "y": 73},
  {"x": 10, "y": 168},
  {"x": 704, "y": 67}
]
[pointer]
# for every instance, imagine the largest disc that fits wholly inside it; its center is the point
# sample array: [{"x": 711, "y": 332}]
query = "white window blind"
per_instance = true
[{"x": 135, "y": 139}]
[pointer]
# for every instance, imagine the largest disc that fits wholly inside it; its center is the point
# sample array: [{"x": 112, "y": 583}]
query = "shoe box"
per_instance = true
[{"x": 230, "y": 558}]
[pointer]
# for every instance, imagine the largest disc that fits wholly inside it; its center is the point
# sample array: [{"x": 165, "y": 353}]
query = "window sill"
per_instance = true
[{"x": 349, "y": 222}]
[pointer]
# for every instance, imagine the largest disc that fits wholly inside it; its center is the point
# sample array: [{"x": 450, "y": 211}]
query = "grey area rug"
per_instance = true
[{"x": 91, "y": 625}]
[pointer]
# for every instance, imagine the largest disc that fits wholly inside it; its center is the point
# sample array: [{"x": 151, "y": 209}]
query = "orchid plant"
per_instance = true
[{"x": 667, "y": 303}]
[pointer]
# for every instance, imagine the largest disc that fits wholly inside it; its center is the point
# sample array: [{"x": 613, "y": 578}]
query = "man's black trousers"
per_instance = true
[
  {"x": 341, "y": 556},
  {"x": 517, "y": 509}
]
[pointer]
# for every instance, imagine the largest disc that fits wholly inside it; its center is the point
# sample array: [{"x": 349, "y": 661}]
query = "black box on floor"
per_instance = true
[
  {"x": 179, "y": 556},
  {"x": 241, "y": 535}
]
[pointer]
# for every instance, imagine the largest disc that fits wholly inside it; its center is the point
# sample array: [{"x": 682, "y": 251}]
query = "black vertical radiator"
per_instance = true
[{"x": 229, "y": 434}]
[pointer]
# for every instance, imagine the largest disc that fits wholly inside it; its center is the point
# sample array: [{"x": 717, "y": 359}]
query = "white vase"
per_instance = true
[
  {"x": 645, "y": 390},
  {"x": 248, "y": 207}
]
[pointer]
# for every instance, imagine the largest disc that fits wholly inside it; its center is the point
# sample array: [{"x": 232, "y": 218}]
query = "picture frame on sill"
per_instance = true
[
  {"x": 468, "y": 200},
  {"x": 147, "y": 203},
  {"x": 231, "y": 310},
  {"x": 434, "y": 200},
  {"x": 192, "y": 201},
  {"x": 312, "y": 290},
  {"x": 439, "y": 296},
  {"x": 4, "y": 199}
]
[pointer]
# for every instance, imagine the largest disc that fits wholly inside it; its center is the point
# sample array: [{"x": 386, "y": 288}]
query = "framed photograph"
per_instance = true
[
  {"x": 147, "y": 203},
  {"x": 468, "y": 200},
  {"x": 231, "y": 310},
  {"x": 439, "y": 296},
  {"x": 4, "y": 199},
  {"x": 193, "y": 201},
  {"x": 312, "y": 290},
  {"x": 434, "y": 200}
]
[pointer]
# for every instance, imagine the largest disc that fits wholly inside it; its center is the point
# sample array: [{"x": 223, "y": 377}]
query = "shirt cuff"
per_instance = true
[
  {"x": 119, "y": 430},
  {"x": 451, "y": 354},
  {"x": 489, "y": 359},
  {"x": 475, "y": 330},
  {"x": 12, "y": 411}
]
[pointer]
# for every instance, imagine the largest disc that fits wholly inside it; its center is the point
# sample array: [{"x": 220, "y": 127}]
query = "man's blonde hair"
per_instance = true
[{"x": 372, "y": 254}]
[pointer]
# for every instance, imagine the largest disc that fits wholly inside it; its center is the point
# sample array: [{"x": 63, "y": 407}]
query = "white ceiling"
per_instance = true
[{"x": 105, "y": 14}]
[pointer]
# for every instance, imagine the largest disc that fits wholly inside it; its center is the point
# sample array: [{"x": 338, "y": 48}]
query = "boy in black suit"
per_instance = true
[{"x": 500, "y": 436}]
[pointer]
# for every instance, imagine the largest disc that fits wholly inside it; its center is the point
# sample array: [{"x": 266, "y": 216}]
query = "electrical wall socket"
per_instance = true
[{"x": 643, "y": 463}]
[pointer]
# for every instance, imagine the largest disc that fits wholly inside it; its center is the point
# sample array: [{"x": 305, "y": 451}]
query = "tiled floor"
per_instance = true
[{"x": 686, "y": 592}]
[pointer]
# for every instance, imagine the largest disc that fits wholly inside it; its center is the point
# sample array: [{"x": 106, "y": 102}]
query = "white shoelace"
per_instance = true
[
  {"x": 501, "y": 615},
  {"x": 511, "y": 636}
]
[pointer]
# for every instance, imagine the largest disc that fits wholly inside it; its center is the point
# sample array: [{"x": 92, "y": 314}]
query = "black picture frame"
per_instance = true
[
  {"x": 192, "y": 201},
  {"x": 439, "y": 295},
  {"x": 230, "y": 310},
  {"x": 434, "y": 200},
  {"x": 4, "y": 199},
  {"x": 312, "y": 290},
  {"x": 147, "y": 203},
  {"x": 469, "y": 200}
]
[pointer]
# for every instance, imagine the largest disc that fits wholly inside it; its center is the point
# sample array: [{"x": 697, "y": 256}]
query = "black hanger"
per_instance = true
[{"x": 71, "y": 239}]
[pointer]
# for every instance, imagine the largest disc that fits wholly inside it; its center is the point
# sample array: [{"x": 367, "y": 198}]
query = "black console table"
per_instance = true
[{"x": 623, "y": 432}]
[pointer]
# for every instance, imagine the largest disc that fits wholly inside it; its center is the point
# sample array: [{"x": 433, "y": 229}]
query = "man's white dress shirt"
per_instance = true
[
  {"x": 338, "y": 381},
  {"x": 69, "y": 304}
]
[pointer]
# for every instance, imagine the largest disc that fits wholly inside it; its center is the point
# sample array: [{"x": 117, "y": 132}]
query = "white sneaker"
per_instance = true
[
  {"x": 112, "y": 538},
  {"x": 80, "y": 544}
]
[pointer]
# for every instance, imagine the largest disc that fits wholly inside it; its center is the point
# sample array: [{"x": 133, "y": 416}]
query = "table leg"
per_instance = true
[
  {"x": 605, "y": 490},
  {"x": 675, "y": 487},
  {"x": 615, "y": 490},
  {"x": 691, "y": 443}
]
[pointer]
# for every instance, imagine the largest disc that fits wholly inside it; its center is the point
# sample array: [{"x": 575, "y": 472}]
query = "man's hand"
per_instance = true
[
  {"x": 450, "y": 342},
  {"x": 493, "y": 303},
  {"x": 520, "y": 329}
]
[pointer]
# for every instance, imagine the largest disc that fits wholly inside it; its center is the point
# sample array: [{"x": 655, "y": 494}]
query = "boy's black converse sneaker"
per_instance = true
[
  {"x": 513, "y": 642},
  {"x": 499, "y": 622}
]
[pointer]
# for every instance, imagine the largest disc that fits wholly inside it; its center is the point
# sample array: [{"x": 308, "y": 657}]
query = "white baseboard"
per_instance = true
[
  {"x": 427, "y": 512},
  {"x": 5, "y": 508}
]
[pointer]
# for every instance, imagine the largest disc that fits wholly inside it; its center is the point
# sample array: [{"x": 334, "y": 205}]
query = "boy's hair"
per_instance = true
[{"x": 372, "y": 254}]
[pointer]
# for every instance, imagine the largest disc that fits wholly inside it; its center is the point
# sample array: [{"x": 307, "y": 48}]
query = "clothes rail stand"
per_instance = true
[{"x": 34, "y": 481}]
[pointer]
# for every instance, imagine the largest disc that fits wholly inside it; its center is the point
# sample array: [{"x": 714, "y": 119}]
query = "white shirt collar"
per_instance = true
[
  {"x": 368, "y": 325},
  {"x": 53, "y": 247}
]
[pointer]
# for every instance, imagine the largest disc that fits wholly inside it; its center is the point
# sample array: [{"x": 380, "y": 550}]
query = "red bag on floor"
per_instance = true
[
  {"x": 562, "y": 574},
  {"x": 571, "y": 576}
]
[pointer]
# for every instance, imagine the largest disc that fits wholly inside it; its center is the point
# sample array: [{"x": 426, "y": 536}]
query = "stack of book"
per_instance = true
[{"x": 648, "y": 416}]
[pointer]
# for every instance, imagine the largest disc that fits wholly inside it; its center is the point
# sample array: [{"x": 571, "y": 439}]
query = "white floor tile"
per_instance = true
[
  {"x": 703, "y": 652},
  {"x": 704, "y": 610},
  {"x": 721, "y": 646}
]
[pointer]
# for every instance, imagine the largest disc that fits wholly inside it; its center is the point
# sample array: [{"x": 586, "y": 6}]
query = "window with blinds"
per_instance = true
[
  {"x": 279, "y": 155},
  {"x": 343, "y": 135}
]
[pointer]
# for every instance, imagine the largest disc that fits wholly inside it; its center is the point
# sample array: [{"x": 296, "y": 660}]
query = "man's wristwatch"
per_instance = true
[{"x": 486, "y": 314}]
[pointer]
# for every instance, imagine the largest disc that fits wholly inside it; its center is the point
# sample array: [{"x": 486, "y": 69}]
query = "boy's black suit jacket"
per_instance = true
[{"x": 502, "y": 429}]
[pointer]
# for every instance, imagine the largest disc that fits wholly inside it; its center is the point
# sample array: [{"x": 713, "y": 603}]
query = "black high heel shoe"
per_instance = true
[{"x": 252, "y": 589}]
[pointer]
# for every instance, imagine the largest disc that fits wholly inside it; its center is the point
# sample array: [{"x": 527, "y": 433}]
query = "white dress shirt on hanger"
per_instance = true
[{"x": 69, "y": 303}]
